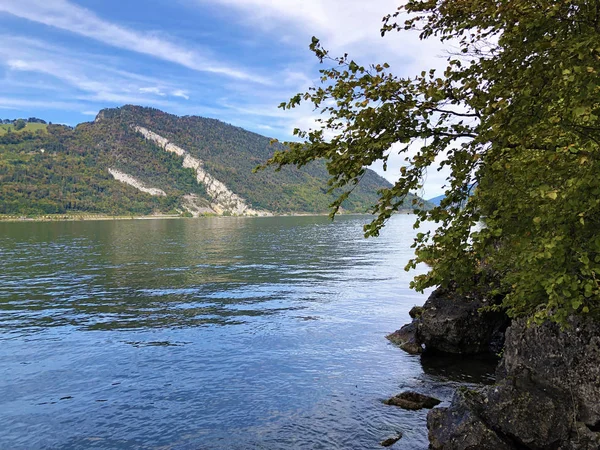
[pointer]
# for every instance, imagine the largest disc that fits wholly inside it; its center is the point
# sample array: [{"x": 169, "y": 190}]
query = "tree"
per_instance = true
[
  {"x": 516, "y": 111},
  {"x": 19, "y": 124}
]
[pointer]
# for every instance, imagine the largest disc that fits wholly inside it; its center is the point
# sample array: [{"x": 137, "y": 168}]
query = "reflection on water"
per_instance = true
[
  {"x": 212, "y": 333},
  {"x": 479, "y": 369}
]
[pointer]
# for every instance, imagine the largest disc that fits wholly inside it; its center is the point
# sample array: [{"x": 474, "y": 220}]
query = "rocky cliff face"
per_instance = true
[
  {"x": 222, "y": 198},
  {"x": 547, "y": 395},
  {"x": 128, "y": 179}
]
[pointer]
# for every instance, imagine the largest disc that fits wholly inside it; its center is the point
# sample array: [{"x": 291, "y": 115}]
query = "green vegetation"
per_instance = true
[
  {"x": 517, "y": 110},
  {"x": 31, "y": 127},
  {"x": 63, "y": 170},
  {"x": 60, "y": 179}
]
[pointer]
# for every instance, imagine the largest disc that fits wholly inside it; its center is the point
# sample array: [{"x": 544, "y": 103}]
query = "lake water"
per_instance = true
[{"x": 217, "y": 333}]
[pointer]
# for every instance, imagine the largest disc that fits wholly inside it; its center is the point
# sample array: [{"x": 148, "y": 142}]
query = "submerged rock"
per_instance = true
[
  {"x": 391, "y": 440},
  {"x": 413, "y": 401},
  {"x": 547, "y": 396}
]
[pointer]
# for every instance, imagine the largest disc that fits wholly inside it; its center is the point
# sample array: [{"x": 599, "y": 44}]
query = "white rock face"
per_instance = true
[
  {"x": 128, "y": 179},
  {"x": 222, "y": 198}
]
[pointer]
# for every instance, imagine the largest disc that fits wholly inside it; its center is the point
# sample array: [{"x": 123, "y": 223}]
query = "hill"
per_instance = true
[
  {"x": 135, "y": 160},
  {"x": 30, "y": 126}
]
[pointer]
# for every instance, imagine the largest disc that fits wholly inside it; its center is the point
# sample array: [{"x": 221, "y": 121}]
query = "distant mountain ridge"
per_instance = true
[
  {"x": 436, "y": 200},
  {"x": 136, "y": 160}
]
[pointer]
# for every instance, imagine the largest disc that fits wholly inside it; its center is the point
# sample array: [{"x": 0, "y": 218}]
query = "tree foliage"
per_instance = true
[
  {"x": 19, "y": 124},
  {"x": 515, "y": 113}
]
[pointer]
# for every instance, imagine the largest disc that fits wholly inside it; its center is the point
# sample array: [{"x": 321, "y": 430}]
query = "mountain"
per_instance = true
[
  {"x": 436, "y": 200},
  {"x": 135, "y": 160}
]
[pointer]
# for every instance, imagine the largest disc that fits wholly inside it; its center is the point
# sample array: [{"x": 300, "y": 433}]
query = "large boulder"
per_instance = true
[
  {"x": 460, "y": 427},
  {"x": 547, "y": 396},
  {"x": 567, "y": 359},
  {"x": 452, "y": 323}
]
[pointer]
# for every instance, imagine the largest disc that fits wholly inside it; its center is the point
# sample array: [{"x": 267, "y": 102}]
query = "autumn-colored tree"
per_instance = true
[{"x": 516, "y": 113}]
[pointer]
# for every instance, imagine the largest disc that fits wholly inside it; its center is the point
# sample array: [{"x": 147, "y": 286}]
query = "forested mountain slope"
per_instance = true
[{"x": 135, "y": 160}]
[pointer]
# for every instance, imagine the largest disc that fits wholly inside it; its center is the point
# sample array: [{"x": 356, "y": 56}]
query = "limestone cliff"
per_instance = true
[
  {"x": 128, "y": 179},
  {"x": 222, "y": 198}
]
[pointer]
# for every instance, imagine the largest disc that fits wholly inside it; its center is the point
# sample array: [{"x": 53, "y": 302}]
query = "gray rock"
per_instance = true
[
  {"x": 415, "y": 312},
  {"x": 534, "y": 417},
  {"x": 568, "y": 360},
  {"x": 391, "y": 440},
  {"x": 452, "y": 323},
  {"x": 406, "y": 339},
  {"x": 459, "y": 427},
  {"x": 413, "y": 401},
  {"x": 547, "y": 396}
]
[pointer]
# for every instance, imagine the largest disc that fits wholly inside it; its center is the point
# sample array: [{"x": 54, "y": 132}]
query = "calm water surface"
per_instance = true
[{"x": 224, "y": 333}]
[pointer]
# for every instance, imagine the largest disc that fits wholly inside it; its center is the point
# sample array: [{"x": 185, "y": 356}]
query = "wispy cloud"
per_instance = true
[
  {"x": 68, "y": 16},
  {"x": 93, "y": 90},
  {"x": 90, "y": 77},
  {"x": 152, "y": 90},
  {"x": 181, "y": 93},
  {"x": 342, "y": 25}
]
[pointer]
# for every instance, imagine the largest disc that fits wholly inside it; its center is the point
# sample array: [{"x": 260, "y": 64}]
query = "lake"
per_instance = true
[{"x": 212, "y": 333}]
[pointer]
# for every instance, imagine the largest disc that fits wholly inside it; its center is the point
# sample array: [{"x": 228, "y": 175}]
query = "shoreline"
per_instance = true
[{"x": 91, "y": 217}]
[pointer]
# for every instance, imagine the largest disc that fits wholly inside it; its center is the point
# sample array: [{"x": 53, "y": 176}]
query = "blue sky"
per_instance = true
[{"x": 234, "y": 60}]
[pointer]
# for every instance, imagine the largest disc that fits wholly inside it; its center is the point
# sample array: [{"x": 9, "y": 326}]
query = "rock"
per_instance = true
[
  {"x": 459, "y": 427},
  {"x": 451, "y": 323},
  {"x": 534, "y": 417},
  {"x": 413, "y": 401},
  {"x": 391, "y": 440},
  {"x": 415, "y": 312},
  {"x": 568, "y": 360},
  {"x": 406, "y": 339},
  {"x": 547, "y": 396}
]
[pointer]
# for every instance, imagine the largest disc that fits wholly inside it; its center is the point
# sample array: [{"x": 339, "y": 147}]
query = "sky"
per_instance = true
[{"x": 233, "y": 60}]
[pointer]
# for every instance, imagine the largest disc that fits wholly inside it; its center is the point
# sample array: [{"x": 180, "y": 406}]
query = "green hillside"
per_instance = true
[
  {"x": 31, "y": 127},
  {"x": 67, "y": 170}
]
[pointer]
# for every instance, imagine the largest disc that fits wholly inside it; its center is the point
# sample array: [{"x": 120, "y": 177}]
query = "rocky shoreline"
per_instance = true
[{"x": 547, "y": 390}]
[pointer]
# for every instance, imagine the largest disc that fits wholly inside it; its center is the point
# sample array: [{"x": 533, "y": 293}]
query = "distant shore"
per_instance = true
[
  {"x": 75, "y": 218},
  {"x": 90, "y": 217}
]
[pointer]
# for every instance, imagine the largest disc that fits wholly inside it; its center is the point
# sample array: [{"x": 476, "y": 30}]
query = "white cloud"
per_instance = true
[
  {"x": 181, "y": 93},
  {"x": 89, "y": 113},
  {"x": 351, "y": 26},
  {"x": 151, "y": 90},
  {"x": 93, "y": 79},
  {"x": 68, "y": 16}
]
